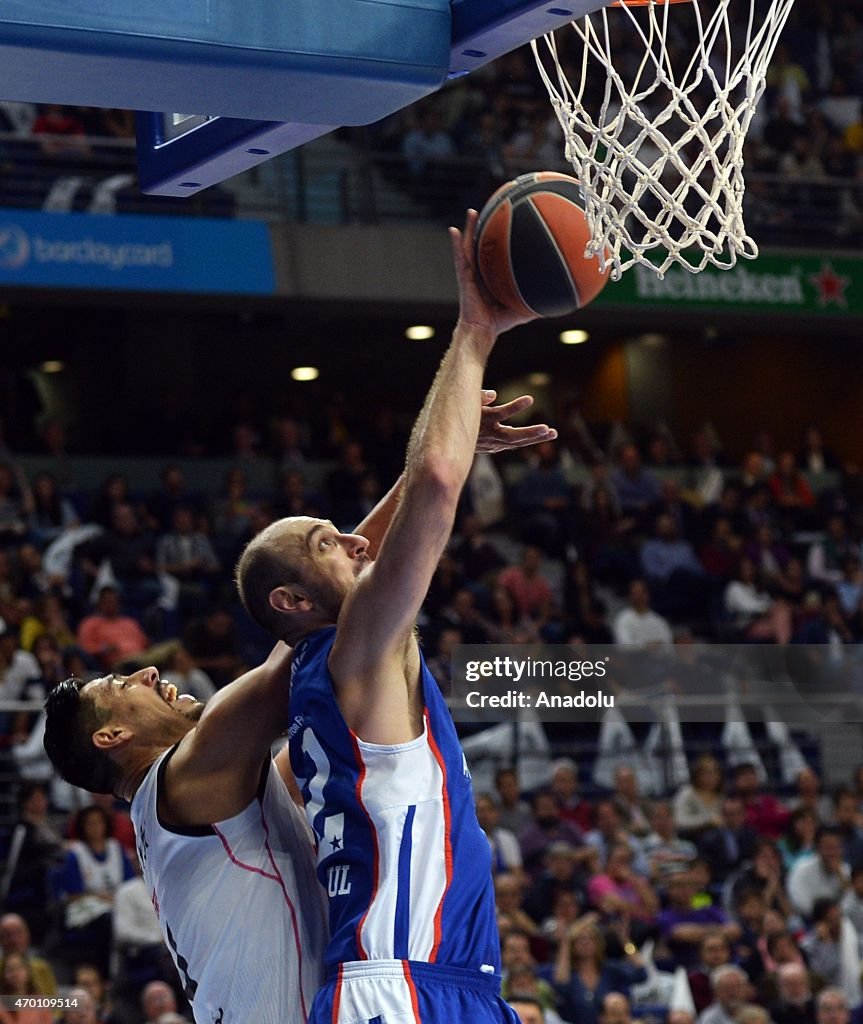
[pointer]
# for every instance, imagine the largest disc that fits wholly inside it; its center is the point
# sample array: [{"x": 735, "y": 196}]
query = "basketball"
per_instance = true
[{"x": 530, "y": 243}]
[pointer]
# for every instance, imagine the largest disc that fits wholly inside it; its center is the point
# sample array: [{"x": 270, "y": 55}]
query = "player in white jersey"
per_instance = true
[{"x": 225, "y": 852}]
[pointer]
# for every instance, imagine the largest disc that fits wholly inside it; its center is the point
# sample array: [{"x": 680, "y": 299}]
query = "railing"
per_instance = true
[{"x": 342, "y": 180}]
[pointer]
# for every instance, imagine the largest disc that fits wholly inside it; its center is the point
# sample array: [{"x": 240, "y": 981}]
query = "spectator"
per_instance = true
[
  {"x": 666, "y": 852},
  {"x": 698, "y": 803},
  {"x": 754, "y": 614},
  {"x": 683, "y": 927},
  {"x": 852, "y": 901},
  {"x": 475, "y": 553},
  {"x": 729, "y": 984},
  {"x": 825, "y": 875},
  {"x": 764, "y": 812},
  {"x": 83, "y": 1010},
  {"x": 610, "y": 831},
  {"x": 832, "y": 947},
  {"x": 40, "y": 850},
  {"x": 543, "y": 497},
  {"x": 88, "y": 977},
  {"x": 566, "y": 869},
  {"x": 638, "y": 625},
  {"x": 564, "y": 786},
  {"x": 827, "y": 556},
  {"x": 615, "y": 1009},
  {"x": 48, "y": 618},
  {"x": 15, "y": 940},
  {"x": 530, "y": 589},
  {"x": 158, "y": 1000},
  {"x": 799, "y": 840},
  {"x": 676, "y": 578},
  {"x": 529, "y": 1009},
  {"x": 16, "y": 980},
  {"x": 508, "y": 895},
  {"x": 173, "y": 494},
  {"x": 714, "y": 950},
  {"x": 95, "y": 866},
  {"x": 212, "y": 642},
  {"x": 505, "y": 851},
  {"x": 129, "y": 551},
  {"x": 831, "y": 1007},
  {"x": 620, "y": 891},
  {"x": 726, "y": 848},
  {"x": 846, "y": 822},
  {"x": 809, "y": 795},
  {"x": 107, "y": 636},
  {"x": 634, "y": 811},
  {"x": 515, "y": 813},
  {"x": 546, "y": 827},
  {"x": 764, "y": 876},
  {"x": 584, "y": 976},
  {"x": 51, "y": 513},
  {"x": 187, "y": 554},
  {"x": 636, "y": 488},
  {"x": 795, "y": 1004}
]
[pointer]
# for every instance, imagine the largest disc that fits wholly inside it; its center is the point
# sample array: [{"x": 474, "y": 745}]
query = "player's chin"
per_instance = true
[{"x": 188, "y": 707}]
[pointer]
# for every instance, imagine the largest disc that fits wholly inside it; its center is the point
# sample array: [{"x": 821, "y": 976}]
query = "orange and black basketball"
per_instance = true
[{"x": 530, "y": 243}]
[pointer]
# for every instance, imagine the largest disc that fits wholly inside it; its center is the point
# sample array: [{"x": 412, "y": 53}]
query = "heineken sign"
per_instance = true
[{"x": 799, "y": 283}]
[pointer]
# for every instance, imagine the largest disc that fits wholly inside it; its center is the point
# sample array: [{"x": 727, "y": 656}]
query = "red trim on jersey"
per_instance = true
[
  {"x": 273, "y": 878},
  {"x": 447, "y": 839},
  {"x": 337, "y": 995},
  {"x": 376, "y": 860},
  {"x": 410, "y": 982}
]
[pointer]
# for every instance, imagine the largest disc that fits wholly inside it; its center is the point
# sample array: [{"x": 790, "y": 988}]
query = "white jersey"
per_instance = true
[{"x": 238, "y": 903}]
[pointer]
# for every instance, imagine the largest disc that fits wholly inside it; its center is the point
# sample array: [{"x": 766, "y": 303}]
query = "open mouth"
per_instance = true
[{"x": 168, "y": 693}]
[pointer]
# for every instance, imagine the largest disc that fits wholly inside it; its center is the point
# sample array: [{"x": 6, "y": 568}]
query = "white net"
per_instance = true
[{"x": 655, "y": 131}]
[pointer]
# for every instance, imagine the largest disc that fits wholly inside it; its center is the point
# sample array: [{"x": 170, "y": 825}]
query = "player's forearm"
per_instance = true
[
  {"x": 376, "y": 523},
  {"x": 445, "y": 433}
]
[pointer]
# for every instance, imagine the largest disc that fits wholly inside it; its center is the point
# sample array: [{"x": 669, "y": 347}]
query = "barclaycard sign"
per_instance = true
[
  {"x": 162, "y": 254},
  {"x": 17, "y": 248}
]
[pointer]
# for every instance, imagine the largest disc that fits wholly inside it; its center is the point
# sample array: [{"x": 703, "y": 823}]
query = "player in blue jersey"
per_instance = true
[{"x": 374, "y": 749}]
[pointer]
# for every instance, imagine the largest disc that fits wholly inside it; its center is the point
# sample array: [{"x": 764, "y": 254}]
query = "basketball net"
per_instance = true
[{"x": 661, "y": 161}]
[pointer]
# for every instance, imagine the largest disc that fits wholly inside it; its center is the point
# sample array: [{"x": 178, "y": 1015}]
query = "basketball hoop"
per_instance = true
[{"x": 661, "y": 162}]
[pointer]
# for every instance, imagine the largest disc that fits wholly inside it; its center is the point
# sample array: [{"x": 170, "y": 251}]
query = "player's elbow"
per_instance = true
[{"x": 440, "y": 479}]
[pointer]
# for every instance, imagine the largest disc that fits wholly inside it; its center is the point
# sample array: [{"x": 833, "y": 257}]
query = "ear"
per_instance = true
[
  {"x": 111, "y": 737},
  {"x": 289, "y": 599}
]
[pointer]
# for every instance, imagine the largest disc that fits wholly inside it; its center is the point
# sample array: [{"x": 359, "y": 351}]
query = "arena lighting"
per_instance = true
[
  {"x": 574, "y": 337},
  {"x": 52, "y": 366},
  {"x": 419, "y": 332},
  {"x": 538, "y": 380},
  {"x": 305, "y": 373}
]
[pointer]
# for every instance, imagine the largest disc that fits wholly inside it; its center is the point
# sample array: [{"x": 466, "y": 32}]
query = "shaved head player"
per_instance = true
[
  {"x": 226, "y": 854},
  {"x": 386, "y": 787}
]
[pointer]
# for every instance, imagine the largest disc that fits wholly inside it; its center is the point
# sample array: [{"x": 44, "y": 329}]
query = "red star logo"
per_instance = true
[{"x": 831, "y": 286}]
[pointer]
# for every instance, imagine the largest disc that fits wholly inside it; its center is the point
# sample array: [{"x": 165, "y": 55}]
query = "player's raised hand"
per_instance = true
[
  {"x": 476, "y": 305},
  {"x": 496, "y": 436}
]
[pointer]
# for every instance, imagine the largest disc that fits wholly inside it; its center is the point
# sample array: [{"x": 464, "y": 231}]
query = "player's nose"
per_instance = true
[
  {"x": 147, "y": 677},
  {"x": 355, "y": 544}
]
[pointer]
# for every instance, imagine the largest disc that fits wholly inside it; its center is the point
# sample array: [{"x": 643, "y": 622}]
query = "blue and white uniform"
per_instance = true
[{"x": 405, "y": 864}]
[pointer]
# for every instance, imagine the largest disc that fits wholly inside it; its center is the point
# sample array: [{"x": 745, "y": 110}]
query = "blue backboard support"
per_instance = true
[
  {"x": 480, "y": 31},
  {"x": 270, "y": 75}
]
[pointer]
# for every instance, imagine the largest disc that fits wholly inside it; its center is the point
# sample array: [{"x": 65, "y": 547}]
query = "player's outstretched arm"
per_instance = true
[
  {"x": 369, "y": 663},
  {"x": 216, "y": 770}
]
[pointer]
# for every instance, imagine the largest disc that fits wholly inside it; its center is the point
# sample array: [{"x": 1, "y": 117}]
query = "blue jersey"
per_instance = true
[{"x": 404, "y": 862}]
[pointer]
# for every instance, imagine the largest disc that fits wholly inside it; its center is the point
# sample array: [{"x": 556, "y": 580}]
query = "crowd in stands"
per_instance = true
[{"x": 628, "y": 541}]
